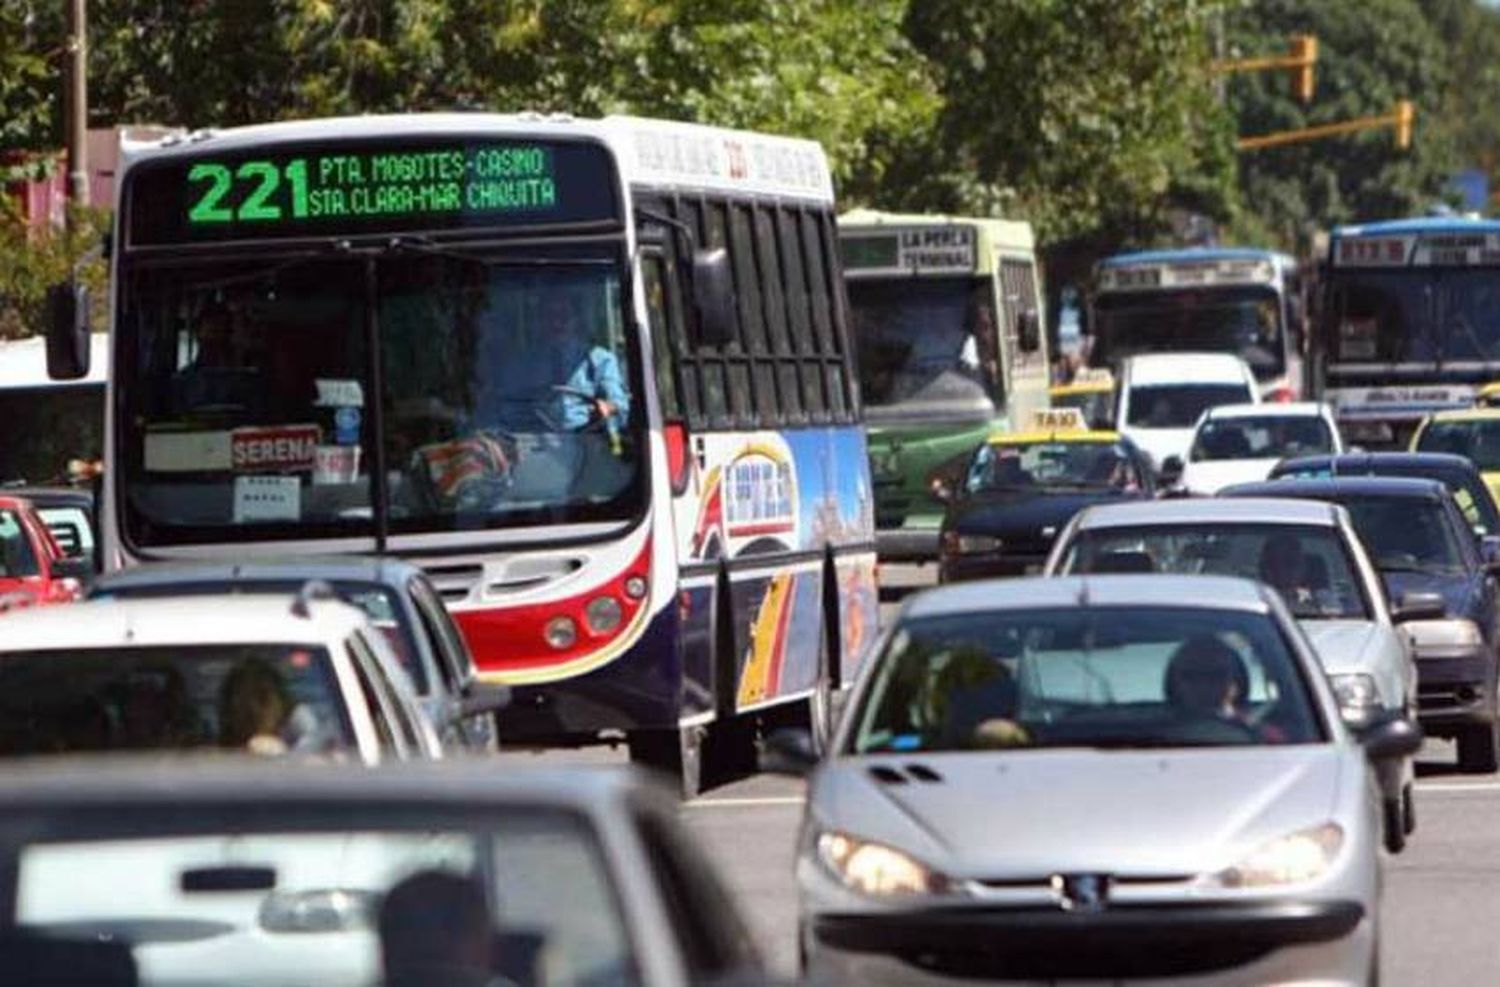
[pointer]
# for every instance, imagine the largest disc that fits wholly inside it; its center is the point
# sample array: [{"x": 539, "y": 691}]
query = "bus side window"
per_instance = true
[
  {"x": 799, "y": 315},
  {"x": 773, "y": 291},
  {"x": 703, "y": 372},
  {"x": 653, "y": 279}
]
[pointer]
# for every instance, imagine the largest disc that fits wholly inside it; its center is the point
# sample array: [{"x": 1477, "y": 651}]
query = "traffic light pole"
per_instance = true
[{"x": 1400, "y": 119}]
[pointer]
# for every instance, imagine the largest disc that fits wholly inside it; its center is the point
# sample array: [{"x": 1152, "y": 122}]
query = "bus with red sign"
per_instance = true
[
  {"x": 1409, "y": 322},
  {"x": 593, "y": 376},
  {"x": 1237, "y": 300}
]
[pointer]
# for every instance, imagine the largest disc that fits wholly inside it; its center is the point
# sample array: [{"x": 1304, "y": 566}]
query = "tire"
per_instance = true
[
  {"x": 675, "y": 755},
  {"x": 1479, "y": 749},
  {"x": 1393, "y": 824},
  {"x": 1409, "y": 809}
]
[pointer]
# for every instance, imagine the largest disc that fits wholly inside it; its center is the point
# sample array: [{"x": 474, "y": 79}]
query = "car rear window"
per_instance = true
[
  {"x": 1406, "y": 534},
  {"x": 1180, "y": 405},
  {"x": 1267, "y": 437},
  {"x": 1086, "y": 677},
  {"x": 266, "y": 699}
]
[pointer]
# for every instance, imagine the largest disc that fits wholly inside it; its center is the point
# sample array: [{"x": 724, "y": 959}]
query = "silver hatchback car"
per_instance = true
[{"x": 1140, "y": 778}]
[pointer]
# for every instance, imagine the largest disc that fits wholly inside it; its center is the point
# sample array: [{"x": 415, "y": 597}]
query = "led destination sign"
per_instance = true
[{"x": 344, "y": 188}]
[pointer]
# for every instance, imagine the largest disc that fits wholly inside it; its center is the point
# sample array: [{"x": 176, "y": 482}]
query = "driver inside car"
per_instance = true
[{"x": 1206, "y": 679}]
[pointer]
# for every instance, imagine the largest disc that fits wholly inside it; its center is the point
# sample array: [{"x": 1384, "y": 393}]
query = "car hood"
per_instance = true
[
  {"x": 1457, "y": 591},
  {"x": 1025, "y": 814},
  {"x": 1345, "y": 645},
  {"x": 1159, "y": 443},
  {"x": 1212, "y": 476},
  {"x": 1025, "y": 512}
]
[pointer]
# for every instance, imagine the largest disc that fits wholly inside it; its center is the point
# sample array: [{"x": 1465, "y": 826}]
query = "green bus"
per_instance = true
[{"x": 947, "y": 322}]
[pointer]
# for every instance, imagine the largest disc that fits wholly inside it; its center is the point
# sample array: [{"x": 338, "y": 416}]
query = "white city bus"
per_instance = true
[{"x": 594, "y": 376}]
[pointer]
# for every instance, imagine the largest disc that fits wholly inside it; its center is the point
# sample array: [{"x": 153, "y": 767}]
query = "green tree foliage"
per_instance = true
[
  {"x": 30, "y": 50},
  {"x": 1371, "y": 54}
]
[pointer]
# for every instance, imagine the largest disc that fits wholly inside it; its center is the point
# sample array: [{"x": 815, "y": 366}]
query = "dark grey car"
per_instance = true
[{"x": 399, "y": 600}]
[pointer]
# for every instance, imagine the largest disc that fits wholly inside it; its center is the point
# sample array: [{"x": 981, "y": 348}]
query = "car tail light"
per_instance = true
[{"x": 678, "y": 463}]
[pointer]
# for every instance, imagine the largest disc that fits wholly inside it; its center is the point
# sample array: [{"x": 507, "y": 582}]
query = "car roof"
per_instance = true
[
  {"x": 120, "y": 782},
  {"x": 1413, "y": 487},
  {"x": 1180, "y": 368},
  {"x": 1268, "y": 509},
  {"x": 1061, "y": 592},
  {"x": 51, "y": 496},
  {"x": 218, "y": 619},
  {"x": 1287, "y": 409},
  {"x": 1373, "y": 460},
  {"x": 331, "y": 568},
  {"x": 1174, "y": 255}
]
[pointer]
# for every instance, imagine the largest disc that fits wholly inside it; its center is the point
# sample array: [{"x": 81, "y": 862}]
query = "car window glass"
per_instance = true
[
  {"x": 1095, "y": 677},
  {"x": 454, "y": 660},
  {"x": 1309, "y": 565},
  {"x": 17, "y": 556},
  {"x": 1405, "y": 534},
  {"x": 1011, "y": 466},
  {"x": 1268, "y": 437},
  {"x": 385, "y": 613}
]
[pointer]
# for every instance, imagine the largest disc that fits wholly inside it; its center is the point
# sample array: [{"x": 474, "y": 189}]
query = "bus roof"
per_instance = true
[
  {"x": 1194, "y": 254},
  {"x": 1419, "y": 224},
  {"x": 23, "y": 363},
  {"x": 1002, "y": 234},
  {"x": 649, "y": 152}
]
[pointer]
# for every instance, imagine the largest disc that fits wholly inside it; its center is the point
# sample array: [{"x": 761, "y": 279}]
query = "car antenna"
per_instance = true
[{"x": 313, "y": 589}]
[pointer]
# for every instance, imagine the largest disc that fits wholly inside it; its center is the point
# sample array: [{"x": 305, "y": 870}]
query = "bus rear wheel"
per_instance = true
[{"x": 694, "y": 759}]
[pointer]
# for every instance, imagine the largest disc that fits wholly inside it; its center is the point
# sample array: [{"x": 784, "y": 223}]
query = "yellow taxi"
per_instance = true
[
  {"x": 1092, "y": 392},
  {"x": 1021, "y": 488},
  {"x": 1488, "y": 396},
  {"x": 1471, "y": 432}
]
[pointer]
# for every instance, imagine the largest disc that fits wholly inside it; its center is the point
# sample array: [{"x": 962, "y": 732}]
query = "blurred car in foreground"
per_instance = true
[
  {"x": 1455, "y": 472},
  {"x": 274, "y": 873},
  {"x": 396, "y": 596},
  {"x": 1108, "y": 777},
  {"x": 33, "y": 567},
  {"x": 1311, "y": 555},
  {"x": 1162, "y": 396},
  {"x": 1473, "y": 433},
  {"x": 1415, "y": 535},
  {"x": 1240, "y": 443},
  {"x": 267, "y": 675},
  {"x": 1021, "y": 488}
]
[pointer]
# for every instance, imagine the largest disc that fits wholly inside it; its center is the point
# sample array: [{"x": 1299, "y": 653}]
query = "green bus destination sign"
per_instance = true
[{"x": 353, "y": 190}]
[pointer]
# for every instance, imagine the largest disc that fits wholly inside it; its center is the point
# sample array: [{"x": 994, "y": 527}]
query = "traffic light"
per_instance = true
[
  {"x": 1302, "y": 60},
  {"x": 1405, "y": 114}
]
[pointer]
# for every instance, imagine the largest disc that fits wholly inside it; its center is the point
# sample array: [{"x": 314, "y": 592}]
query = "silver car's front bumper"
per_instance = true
[{"x": 1240, "y": 943}]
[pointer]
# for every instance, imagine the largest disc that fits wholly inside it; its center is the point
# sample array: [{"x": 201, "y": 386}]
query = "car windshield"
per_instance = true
[
  {"x": 1469, "y": 492},
  {"x": 1421, "y": 315},
  {"x": 1309, "y": 565},
  {"x": 1058, "y": 465},
  {"x": 1180, "y": 405},
  {"x": 1406, "y": 534},
  {"x": 1244, "y": 321},
  {"x": 17, "y": 558},
  {"x": 1476, "y": 439},
  {"x": 927, "y": 346},
  {"x": 1085, "y": 677},
  {"x": 507, "y": 396},
  {"x": 1261, "y": 437},
  {"x": 523, "y": 898},
  {"x": 269, "y": 699}
]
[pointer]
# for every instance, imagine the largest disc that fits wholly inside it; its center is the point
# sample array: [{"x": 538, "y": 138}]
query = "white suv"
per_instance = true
[
  {"x": 265, "y": 674},
  {"x": 1162, "y": 396}
]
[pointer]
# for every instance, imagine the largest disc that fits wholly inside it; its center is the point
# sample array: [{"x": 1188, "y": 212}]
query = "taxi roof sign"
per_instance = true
[{"x": 1058, "y": 420}]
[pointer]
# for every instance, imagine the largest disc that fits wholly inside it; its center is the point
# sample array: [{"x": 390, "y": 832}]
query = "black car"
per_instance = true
[
  {"x": 1020, "y": 490},
  {"x": 1418, "y": 539},
  {"x": 397, "y": 597},
  {"x": 1457, "y": 473}
]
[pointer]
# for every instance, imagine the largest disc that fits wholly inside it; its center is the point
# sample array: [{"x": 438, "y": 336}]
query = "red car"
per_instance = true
[{"x": 32, "y": 564}]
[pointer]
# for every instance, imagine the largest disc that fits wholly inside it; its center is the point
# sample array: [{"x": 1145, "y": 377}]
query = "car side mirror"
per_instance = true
[
  {"x": 1391, "y": 738},
  {"x": 713, "y": 293},
  {"x": 1418, "y": 605},
  {"x": 1029, "y": 330},
  {"x": 1489, "y": 552},
  {"x": 788, "y": 751},
  {"x": 1170, "y": 473},
  {"x": 482, "y": 699},
  {"x": 68, "y": 331}
]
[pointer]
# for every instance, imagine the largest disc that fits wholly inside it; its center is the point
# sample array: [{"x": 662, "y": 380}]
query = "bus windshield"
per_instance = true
[
  {"x": 1415, "y": 316},
  {"x": 1244, "y": 321},
  {"x": 507, "y": 395},
  {"x": 927, "y": 347}
]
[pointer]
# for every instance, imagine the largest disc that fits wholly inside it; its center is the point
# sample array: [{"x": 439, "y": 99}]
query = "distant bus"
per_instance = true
[
  {"x": 592, "y": 375},
  {"x": 947, "y": 321},
  {"x": 1409, "y": 322},
  {"x": 1203, "y": 299},
  {"x": 45, "y": 424}
]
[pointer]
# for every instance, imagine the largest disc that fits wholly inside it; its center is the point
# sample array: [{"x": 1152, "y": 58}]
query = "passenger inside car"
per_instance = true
[{"x": 435, "y": 927}]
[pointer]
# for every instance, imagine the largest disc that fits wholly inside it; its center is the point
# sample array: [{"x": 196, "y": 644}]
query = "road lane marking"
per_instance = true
[
  {"x": 747, "y": 802},
  {"x": 1458, "y": 786}
]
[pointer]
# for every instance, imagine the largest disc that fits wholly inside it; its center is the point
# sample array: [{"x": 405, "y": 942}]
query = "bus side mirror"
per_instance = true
[
  {"x": 713, "y": 292},
  {"x": 68, "y": 331},
  {"x": 1029, "y": 329}
]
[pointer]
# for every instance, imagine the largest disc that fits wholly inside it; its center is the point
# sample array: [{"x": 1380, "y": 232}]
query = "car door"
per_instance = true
[{"x": 455, "y": 662}]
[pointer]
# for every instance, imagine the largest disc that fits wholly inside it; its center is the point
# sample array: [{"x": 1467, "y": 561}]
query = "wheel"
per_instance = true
[
  {"x": 1479, "y": 749},
  {"x": 1393, "y": 821},
  {"x": 676, "y": 755},
  {"x": 1409, "y": 809}
]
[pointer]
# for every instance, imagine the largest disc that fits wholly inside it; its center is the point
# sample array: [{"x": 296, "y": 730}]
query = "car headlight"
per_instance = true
[
  {"x": 876, "y": 869},
  {"x": 1448, "y": 633},
  {"x": 1357, "y": 694},
  {"x": 1292, "y": 859}
]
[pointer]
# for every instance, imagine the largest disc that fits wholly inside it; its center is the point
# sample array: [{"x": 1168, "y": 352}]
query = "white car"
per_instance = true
[
  {"x": 1242, "y": 443},
  {"x": 266, "y": 674},
  {"x": 1310, "y": 553},
  {"x": 1162, "y": 396}
]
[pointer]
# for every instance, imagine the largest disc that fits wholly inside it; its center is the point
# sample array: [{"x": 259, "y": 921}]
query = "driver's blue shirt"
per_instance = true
[{"x": 598, "y": 374}]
